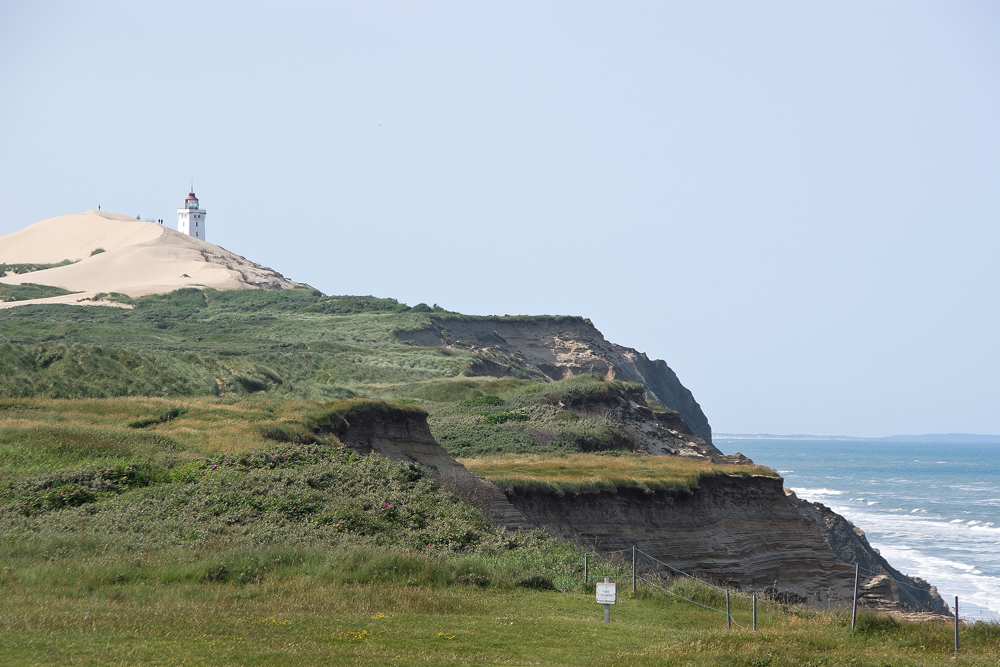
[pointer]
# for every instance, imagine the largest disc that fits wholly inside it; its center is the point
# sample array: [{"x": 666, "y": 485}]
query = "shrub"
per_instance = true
[
  {"x": 67, "y": 495},
  {"x": 498, "y": 418},
  {"x": 478, "y": 401},
  {"x": 537, "y": 582}
]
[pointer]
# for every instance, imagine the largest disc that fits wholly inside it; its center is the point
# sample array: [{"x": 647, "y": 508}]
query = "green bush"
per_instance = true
[
  {"x": 479, "y": 401},
  {"x": 504, "y": 417},
  {"x": 537, "y": 582},
  {"x": 67, "y": 495}
]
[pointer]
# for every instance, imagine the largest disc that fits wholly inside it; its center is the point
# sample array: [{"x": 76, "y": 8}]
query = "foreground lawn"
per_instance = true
[{"x": 301, "y": 620}]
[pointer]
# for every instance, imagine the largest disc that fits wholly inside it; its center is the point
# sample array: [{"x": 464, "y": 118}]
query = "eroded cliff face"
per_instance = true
[
  {"x": 556, "y": 348},
  {"x": 850, "y": 545},
  {"x": 403, "y": 435},
  {"x": 647, "y": 431},
  {"x": 741, "y": 531}
]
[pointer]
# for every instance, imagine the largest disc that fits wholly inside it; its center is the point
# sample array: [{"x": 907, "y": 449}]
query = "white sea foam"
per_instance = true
[
  {"x": 815, "y": 492},
  {"x": 979, "y": 594},
  {"x": 910, "y": 541}
]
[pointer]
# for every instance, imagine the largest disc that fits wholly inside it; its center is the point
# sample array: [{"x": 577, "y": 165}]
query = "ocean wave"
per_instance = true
[
  {"x": 815, "y": 492},
  {"x": 979, "y": 593},
  {"x": 913, "y": 521}
]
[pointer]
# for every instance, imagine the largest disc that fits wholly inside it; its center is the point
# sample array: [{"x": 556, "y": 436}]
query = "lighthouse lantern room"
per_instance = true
[{"x": 191, "y": 219}]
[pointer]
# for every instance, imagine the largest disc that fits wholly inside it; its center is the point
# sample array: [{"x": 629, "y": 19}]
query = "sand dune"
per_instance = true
[{"x": 139, "y": 258}]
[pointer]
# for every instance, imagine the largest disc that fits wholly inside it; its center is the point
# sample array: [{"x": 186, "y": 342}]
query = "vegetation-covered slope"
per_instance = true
[
  {"x": 290, "y": 343},
  {"x": 299, "y": 345}
]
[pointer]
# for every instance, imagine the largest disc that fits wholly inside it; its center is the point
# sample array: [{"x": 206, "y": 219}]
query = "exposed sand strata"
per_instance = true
[
  {"x": 742, "y": 531},
  {"x": 648, "y": 432},
  {"x": 559, "y": 347},
  {"x": 139, "y": 258},
  {"x": 403, "y": 435}
]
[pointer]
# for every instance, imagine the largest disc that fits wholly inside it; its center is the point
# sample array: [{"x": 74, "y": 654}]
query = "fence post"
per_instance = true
[
  {"x": 956, "y": 625},
  {"x": 586, "y": 569},
  {"x": 729, "y": 616},
  {"x": 754, "y": 611},
  {"x": 633, "y": 568},
  {"x": 854, "y": 613}
]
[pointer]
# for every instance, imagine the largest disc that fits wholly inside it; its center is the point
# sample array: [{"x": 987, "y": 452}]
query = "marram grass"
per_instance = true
[{"x": 581, "y": 473}]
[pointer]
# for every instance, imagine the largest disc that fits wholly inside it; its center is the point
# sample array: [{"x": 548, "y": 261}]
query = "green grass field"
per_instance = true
[{"x": 306, "y": 611}]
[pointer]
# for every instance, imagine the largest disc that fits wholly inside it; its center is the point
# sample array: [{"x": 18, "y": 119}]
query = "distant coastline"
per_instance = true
[{"x": 970, "y": 438}]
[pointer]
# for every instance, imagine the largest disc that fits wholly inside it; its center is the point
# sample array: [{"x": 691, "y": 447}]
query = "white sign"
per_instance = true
[{"x": 606, "y": 593}]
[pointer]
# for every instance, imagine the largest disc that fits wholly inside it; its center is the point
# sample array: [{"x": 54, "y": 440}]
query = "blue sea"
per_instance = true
[{"x": 931, "y": 509}]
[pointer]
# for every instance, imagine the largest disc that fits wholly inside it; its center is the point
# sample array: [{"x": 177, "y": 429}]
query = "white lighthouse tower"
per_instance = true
[{"x": 191, "y": 219}]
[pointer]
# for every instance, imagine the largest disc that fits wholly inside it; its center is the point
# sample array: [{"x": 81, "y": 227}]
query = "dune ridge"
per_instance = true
[{"x": 139, "y": 258}]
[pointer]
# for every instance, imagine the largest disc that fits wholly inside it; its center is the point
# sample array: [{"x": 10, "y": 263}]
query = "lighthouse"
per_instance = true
[{"x": 191, "y": 219}]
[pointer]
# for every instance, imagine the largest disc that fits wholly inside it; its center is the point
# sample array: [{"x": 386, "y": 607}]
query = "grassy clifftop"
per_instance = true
[{"x": 589, "y": 473}]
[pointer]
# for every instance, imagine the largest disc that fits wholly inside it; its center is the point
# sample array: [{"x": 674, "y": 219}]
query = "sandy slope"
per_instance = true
[{"x": 140, "y": 258}]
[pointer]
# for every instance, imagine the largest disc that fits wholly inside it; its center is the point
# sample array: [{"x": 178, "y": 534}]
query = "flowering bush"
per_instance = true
[{"x": 79, "y": 487}]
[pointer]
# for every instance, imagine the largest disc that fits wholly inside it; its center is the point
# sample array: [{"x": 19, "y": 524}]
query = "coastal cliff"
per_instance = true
[
  {"x": 742, "y": 531},
  {"x": 555, "y": 348}
]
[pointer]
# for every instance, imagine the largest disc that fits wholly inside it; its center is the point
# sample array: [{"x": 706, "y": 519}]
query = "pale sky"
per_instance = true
[{"x": 795, "y": 204}]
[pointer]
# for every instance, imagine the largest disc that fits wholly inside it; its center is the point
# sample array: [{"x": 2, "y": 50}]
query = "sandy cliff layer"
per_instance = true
[
  {"x": 138, "y": 258},
  {"x": 559, "y": 347}
]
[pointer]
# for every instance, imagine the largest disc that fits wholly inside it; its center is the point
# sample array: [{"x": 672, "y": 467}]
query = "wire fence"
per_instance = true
[
  {"x": 617, "y": 562},
  {"x": 649, "y": 569}
]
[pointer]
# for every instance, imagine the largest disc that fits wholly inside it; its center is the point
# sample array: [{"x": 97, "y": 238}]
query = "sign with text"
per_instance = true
[{"x": 606, "y": 593}]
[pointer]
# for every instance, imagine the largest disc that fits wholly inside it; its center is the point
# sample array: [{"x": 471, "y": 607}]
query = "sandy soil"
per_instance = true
[{"x": 139, "y": 258}]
